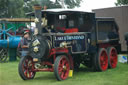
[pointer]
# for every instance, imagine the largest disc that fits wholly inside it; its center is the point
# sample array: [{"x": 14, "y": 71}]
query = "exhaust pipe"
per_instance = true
[{"x": 38, "y": 17}]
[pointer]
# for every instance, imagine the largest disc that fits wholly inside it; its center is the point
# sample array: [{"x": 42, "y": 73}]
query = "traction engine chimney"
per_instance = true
[{"x": 38, "y": 17}]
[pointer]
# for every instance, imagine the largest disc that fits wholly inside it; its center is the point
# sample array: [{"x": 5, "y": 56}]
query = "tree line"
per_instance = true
[{"x": 18, "y": 8}]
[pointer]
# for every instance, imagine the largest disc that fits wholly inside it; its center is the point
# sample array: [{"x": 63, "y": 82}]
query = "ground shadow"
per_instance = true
[
  {"x": 45, "y": 77},
  {"x": 51, "y": 77}
]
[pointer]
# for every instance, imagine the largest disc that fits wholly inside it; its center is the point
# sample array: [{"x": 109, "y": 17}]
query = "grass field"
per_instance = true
[{"x": 119, "y": 76}]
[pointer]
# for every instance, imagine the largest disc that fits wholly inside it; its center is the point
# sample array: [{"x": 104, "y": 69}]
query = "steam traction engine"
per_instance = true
[
  {"x": 70, "y": 38},
  {"x": 8, "y": 41}
]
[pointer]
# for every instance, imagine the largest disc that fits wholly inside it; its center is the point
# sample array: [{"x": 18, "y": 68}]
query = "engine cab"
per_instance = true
[{"x": 68, "y": 28}]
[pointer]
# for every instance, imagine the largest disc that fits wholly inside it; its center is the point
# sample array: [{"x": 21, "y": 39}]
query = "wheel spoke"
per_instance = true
[
  {"x": 65, "y": 69},
  {"x": 26, "y": 62},
  {"x": 3, "y": 55},
  {"x": 9, "y": 29},
  {"x": 4, "y": 26},
  {"x": 113, "y": 58},
  {"x": 4, "y": 36},
  {"x": 25, "y": 66},
  {"x": 62, "y": 75},
  {"x": 30, "y": 74},
  {"x": 103, "y": 60},
  {"x": 28, "y": 67},
  {"x": 63, "y": 62},
  {"x": 26, "y": 73},
  {"x": 60, "y": 69},
  {"x": 9, "y": 34},
  {"x": 1, "y": 51}
]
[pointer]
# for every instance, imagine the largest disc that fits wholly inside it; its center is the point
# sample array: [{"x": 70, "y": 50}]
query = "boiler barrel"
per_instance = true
[{"x": 11, "y": 42}]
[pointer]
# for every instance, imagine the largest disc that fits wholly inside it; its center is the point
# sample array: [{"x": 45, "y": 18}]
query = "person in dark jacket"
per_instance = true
[{"x": 25, "y": 44}]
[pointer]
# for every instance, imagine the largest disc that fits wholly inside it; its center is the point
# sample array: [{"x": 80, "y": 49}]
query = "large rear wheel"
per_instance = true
[
  {"x": 101, "y": 60},
  {"x": 61, "y": 67},
  {"x": 26, "y": 67},
  {"x": 112, "y": 57}
]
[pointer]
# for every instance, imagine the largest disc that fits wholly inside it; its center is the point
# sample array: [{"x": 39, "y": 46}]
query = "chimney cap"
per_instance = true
[{"x": 37, "y": 7}]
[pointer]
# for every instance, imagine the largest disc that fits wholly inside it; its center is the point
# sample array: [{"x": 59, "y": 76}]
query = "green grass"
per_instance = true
[{"x": 119, "y": 76}]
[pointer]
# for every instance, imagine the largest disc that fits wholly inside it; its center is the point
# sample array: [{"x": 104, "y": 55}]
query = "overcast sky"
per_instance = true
[{"x": 88, "y": 5}]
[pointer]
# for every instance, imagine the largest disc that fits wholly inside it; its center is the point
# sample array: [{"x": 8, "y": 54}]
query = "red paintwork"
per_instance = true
[
  {"x": 28, "y": 68},
  {"x": 61, "y": 50},
  {"x": 44, "y": 69},
  {"x": 27, "y": 30},
  {"x": 103, "y": 60},
  {"x": 53, "y": 54},
  {"x": 63, "y": 68},
  {"x": 113, "y": 58},
  {"x": 47, "y": 63},
  {"x": 71, "y": 30},
  {"x": 57, "y": 50}
]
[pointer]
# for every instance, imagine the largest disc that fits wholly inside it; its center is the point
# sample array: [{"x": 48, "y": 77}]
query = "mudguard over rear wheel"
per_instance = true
[
  {"x": 26, "y": 67},
  {"x": 61, "y": 67}
]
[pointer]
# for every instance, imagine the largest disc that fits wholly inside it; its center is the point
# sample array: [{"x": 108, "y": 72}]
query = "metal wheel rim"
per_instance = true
[
  {"x": 28, "y": 67},
  {"x": 63, "y": 73},
  {"x": 103, "y": 60},
  {"x": 3, "y": 55},
  {"x": 113, "y": 58}
]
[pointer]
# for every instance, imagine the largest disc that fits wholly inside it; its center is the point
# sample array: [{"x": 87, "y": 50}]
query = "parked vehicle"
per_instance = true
[
  {"x": 8, "y": 39},
  {"x": 70, "y": 38},
  {"x": 11, "y": 31}
]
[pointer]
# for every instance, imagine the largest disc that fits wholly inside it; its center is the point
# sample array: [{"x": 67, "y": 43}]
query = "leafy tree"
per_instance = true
[
  {"x": 3, "y": 7},
  {"x": 121, "y": 2},
  {"x": 18, "y": 8},
  {"x": 72, "y": 3},
  {"x": 28, "y": 5},
  {"x": 60, "y": 3},
  {"x": 11, "y": 8},
  {"x": 15, "y": 8}
]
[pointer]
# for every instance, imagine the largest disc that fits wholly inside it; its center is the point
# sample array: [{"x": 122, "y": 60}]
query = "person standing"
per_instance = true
[{"x": 25, "y": 43}]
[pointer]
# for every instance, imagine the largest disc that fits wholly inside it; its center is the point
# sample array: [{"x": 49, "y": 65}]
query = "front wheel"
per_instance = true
[
  {"x": 61, "y": 67},
  {"x": 26, "y": 67}
]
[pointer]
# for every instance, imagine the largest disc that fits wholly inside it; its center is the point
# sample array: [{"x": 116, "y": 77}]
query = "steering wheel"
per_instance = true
[{"x": 4, "y": 31}]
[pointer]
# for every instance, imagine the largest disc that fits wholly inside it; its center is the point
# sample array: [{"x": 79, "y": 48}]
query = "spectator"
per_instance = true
[{"x": 25, "y": 44}]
